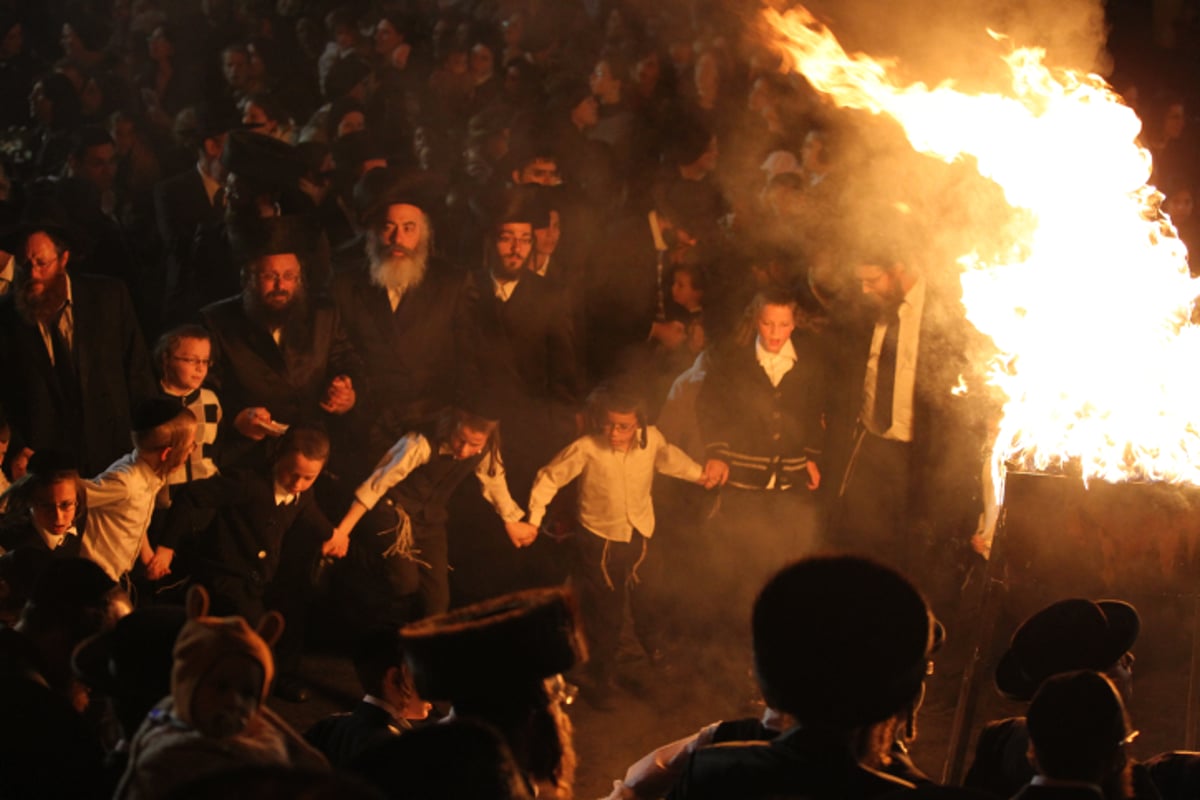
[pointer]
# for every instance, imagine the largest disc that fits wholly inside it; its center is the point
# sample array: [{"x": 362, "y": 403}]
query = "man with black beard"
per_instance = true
[
  {"x": 398, "y": 307},
  {"x": 517, "y": 349},
  {"x": 72, "y": 357},
  {"x": 285, "y": 357}
]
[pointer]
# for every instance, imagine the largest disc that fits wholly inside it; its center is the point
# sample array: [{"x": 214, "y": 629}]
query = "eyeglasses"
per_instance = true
[
  {"x": 193, "y": 362},
  {"x": 619, "y": 427},
  {"x": 50, "y": 508}
]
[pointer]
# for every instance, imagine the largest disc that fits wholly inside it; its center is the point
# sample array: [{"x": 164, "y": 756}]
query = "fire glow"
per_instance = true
[{"x": 1097, "y": 361}]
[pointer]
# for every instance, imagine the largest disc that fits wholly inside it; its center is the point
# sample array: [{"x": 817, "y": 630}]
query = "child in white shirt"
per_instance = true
[{"x": 616, "y": 464}]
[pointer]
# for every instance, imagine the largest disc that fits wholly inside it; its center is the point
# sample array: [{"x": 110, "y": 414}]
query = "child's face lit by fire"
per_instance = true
[
  {"x": 620, "y": 429},
  {"x": 466, "y": 442}
]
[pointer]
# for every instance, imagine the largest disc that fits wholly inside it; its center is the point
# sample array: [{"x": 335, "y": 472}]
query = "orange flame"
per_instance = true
[{"x": 1098, "y": 363}]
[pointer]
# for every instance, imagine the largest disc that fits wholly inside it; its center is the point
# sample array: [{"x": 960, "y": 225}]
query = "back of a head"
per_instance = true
[
  {"x": 1077, "y": 727},
  {"x": 74, "y": 595},
  {"x": 840, "y": 641},
  {"x": 375, "y": 653}
]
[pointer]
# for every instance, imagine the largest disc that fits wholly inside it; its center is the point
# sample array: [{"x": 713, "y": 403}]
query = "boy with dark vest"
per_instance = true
[{"x": 416, "y": 478}]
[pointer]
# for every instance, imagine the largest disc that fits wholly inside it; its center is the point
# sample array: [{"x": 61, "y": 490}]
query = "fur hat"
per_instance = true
[
  {"x": 841, "y": 641},
  {"x": 204, "y": 640},
  {"x": 509, "y": 640},
  {"x": 1068, "y": 635}
]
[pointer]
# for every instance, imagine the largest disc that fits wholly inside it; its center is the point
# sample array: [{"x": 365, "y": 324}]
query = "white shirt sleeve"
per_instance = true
[
  {"x": 410, "y": 452},
  {"x": 671, "y": 461},
  {"x": 495, "y": 491},
  {"x": 561, "y": 470}
]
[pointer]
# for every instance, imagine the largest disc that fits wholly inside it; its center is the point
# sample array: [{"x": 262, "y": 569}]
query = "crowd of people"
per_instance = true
[{"x": 376, "y": 323}]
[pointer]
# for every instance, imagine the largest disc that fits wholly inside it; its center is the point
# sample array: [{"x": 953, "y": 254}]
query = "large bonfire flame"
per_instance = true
[{"x": 1099, "y": 365}]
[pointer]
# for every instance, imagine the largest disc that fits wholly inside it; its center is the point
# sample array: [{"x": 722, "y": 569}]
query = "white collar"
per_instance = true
[
  {"x": 284, "y": 497},
  {"x": 763, "y": 354}
]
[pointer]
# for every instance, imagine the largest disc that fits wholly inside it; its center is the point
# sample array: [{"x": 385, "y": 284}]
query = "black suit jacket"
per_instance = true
[
  {"x": 949, "y": 429},
  {"x": 185, "y": 217},
  {"x": 111, "y": 365},
  {"x": 24, "y": 534},
  {"x": 408, "y": 355},
  {"x": 244, "y": 537},
  {"x": 343, "y": 737},
  {"x": 792, "y": 765},
  {"x": 288, "y": 380}
]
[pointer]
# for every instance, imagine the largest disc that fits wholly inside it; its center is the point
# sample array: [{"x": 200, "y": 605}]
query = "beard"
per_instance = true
[
  {"x": 45, "y": 306},
  {"x": 272, "y": 316},
  {"x": 397, "y": 272},
  {"x": 501, "y": 271}
]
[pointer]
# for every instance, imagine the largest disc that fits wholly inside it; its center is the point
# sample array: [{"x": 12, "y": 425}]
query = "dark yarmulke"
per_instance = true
[
  {"x": 48, "y": 462},
  {"x": 149, "y": 414}
]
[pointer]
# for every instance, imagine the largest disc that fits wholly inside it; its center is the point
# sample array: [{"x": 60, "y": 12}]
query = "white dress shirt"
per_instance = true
[
  {"x": 120, "y": 502},
  {"x": 906, "y": 367},
  {"x": 614, "y": 486},
  {"x": 776, "y": 365},
  {"x": 52, "y": 540},
  {"x": 414, "y": 450},
  {"x": 503, "y": 289}
]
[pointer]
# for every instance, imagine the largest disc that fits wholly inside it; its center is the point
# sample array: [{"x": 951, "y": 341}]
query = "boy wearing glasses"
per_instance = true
[
  {"x": 615, "y": 463},
  {"x": 183, "y": 356}
]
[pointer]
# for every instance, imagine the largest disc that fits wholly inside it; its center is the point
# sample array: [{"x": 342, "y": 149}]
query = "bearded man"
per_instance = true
[
  {"x": 285, "y": 357},
  {"x": 398, "y": 307},
  {"x": 72, "y": 359},
  {"x": 516, "y": 348}
]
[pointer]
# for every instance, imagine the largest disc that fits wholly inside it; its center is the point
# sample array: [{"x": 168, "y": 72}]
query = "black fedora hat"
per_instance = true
[
  {"x": 45, "y": 212},
  {"x": 1068, "y": 635},
  {"x": 263, "y": 160},
  {"x": 271, "y": 236},
  {"x": 504, "y": 642},
  {"x": 381, "y": 188}
]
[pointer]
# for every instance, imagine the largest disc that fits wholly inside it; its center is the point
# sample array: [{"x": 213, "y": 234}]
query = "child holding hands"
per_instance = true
[{"x": 616, "y": 463}]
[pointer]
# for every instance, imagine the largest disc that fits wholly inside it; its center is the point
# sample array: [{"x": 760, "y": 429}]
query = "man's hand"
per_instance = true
[
  {"x": 339, "y": 395},
  {"x": 521, "y": 534},
  {"x": 814, "y": 475},
  {"x": 716, "y": 472},
  {"x": 159, "y": 566},
  {"x": 337, "y": 545},
  {"x": 256, "y": 423}
]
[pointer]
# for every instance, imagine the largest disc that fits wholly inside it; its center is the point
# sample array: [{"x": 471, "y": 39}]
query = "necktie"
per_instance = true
[{"x": 885, "y": 373}]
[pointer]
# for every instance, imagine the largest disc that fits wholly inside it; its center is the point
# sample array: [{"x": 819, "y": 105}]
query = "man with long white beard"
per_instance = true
[
  {"x": 73, "y": 360},
  {"x": 398, "y": 308}
]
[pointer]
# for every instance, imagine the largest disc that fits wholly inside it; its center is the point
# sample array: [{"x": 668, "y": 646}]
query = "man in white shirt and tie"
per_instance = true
[{"x": 911, "y": 482}]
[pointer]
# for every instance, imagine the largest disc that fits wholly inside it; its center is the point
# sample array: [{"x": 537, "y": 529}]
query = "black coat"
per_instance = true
[
  {"x": 343, "y": 737},
  {"x": 789, "y": 766},
  {"x": 113, "y": 371},
  {"x": 24, "y": 534},
  {"x": 946, "y": 457},
  {"x": 244, "y": 538},
  {"x": 408, "y": 355},
  {"x": 520, "y": 356},
  {"x": 759, "y": 429},
  {"x": 187, "y": 220},
  {"x": 289, "y": 381}
]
